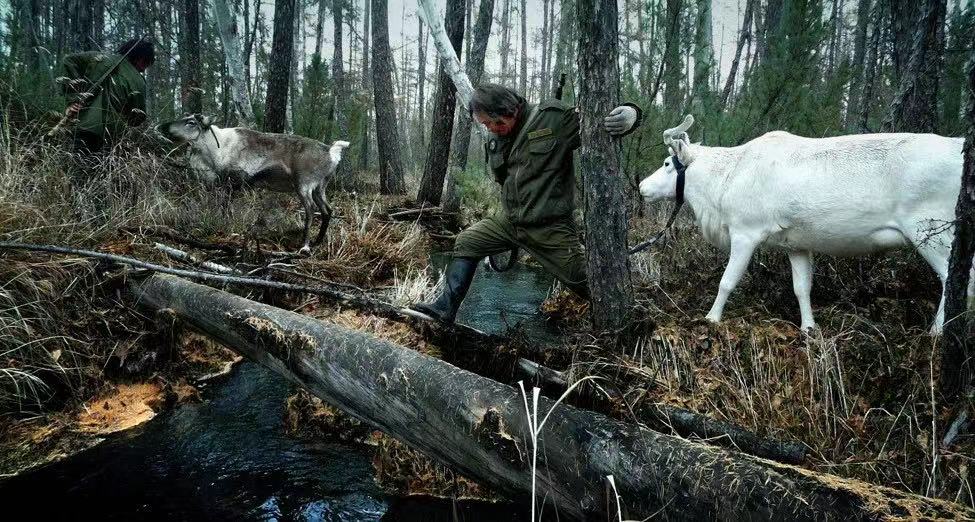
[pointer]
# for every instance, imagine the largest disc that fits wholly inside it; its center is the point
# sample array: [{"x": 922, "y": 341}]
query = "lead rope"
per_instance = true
[{"x": 681, "y": 169}]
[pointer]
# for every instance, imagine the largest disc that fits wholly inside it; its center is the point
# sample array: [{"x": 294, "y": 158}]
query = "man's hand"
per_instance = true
[
  {"x": 620, "y": 120},
  {"x": 73, "y": 110}
]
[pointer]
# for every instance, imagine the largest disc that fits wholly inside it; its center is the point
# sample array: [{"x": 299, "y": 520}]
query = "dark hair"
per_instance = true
[
  {"x": 138, "y": 49},
  {"x": 495, "y": 100}
]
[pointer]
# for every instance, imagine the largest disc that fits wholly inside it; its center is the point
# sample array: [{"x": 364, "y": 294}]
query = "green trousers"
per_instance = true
[{"x": 554, "y": 245}]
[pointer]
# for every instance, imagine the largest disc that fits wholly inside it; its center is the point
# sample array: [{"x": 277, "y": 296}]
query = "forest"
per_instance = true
[{"x": 307, "y": 372}]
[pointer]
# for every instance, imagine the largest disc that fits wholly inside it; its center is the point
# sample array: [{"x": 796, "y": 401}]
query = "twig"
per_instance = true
[
  {"x": 180, "y": 255},
  {"x": 410, "y": 212},
  {"x": 960, "y": 423}
]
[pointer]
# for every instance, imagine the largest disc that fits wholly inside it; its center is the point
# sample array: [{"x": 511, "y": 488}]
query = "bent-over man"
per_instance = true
[
  {"x": 103, "y": 111},
  {"x": 530, "y": 155}
]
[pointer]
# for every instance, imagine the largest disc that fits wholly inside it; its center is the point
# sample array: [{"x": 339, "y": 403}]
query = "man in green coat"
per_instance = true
[
  {"x": 104, "y": 110},
  {"x": 530, "y": 155}
]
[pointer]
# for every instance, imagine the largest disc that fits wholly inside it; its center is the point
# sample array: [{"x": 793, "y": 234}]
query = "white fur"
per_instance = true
[{"x": 843, "y": 196}]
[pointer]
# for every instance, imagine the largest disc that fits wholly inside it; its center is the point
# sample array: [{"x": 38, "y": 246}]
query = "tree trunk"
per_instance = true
[
  {"x": 227, "y": 24},
  {"x": 435, "y": 169},
  {"x": 745, "y": 35},
  {"x": 505, "y": 51},
  {"x": 366, "y": 75},
  {"x": 191, "y": 96},
  {"x": 421, "y": 81},
  {"x": 479, "y": 427},
  {"x": 673, "y": 68},
  {"x": 873, "y": 54},
  {"x": 859, "y": 52},
  {"x": 82, "y": 25},
  {"x": 524, "y": 49},
  {"x": 703, "y": 57},
  {"x": 391, "y": 180},
  {"x": 608, "y": 264},
  {"x": 475, "y": 69},
  {"x": 903, "y": 18},
  {"x": 339, "y": 92},
  {"x": 296, "y": 51},
  {"x": 958, "y": 340},
  {"x": 915, "y": 106},
  {"x": 771, "y": 28},
  {"x": 98, "y": 24},
  {"x": 546, "y": 38},
  {"x": 282, "y": 47}
]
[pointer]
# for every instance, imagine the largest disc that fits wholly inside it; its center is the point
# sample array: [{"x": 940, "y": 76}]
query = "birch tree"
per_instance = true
[{"x": 227, "y": 25}]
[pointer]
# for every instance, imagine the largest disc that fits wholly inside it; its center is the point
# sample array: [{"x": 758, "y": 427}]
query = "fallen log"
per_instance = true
[
  {"x": 686, "y": 423},
  {"x": 478, "y": 426}
]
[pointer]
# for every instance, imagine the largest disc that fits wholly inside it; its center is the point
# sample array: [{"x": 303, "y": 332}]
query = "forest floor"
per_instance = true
[{"x": 80, "y": 360}]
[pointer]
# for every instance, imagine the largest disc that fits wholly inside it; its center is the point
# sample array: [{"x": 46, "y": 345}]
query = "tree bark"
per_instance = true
[
  {"x": 366, "y": 75},
  {"x": 475, "y": 69},
  {"x": 339, "y": 92},
  {"x": 479, "y": 426},
  {"x": 282, "y": 47},
  {"x": 869, "y": 79},
  {"x": 610, "y": 287},
  {"x": 391, "y": 179},
  {"x": 703, "y": 56},
  {"x": 903, "y": 17},
  {"x": 859, "y": 55},
  {"x": 435, "y": 169},
  {"x": 915, "y": 106},
  {"x": 523, "y": 86},
  {"x": 745, "y": 35},
  {"x": 958, "y": 339},
  {"x": 421, "y": 81},
  {"x": 673, "y": 68},
  {"x": 191, "y": 95},
  {"x": 227, "y": 25},
  {"x": 82, "y": 25},
  {"x": 505, "y": 50}
]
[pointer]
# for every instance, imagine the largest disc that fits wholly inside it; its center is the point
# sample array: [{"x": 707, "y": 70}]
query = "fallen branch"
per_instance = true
[
  {"x": 478, "y": 427},
  {"x": 180, "y": 255},
  {"x": 665, "y": 418}
]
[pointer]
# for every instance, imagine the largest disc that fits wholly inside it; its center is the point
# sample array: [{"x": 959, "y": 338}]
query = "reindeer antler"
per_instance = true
[{"x": 670, "y": 134}]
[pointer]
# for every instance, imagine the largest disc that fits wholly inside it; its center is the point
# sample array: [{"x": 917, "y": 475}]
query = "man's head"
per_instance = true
[
  {"x": 497, "y": 108},
  {"x": 141, "y": 53}
]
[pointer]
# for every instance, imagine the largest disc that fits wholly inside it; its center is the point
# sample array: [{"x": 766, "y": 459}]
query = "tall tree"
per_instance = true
[
  {"x": 366, "y": 75},
  {"x": 81, "y": 17},
  {"x": 958, "y": 340},
  {"x": 338, "y": 82},
  {"x": 873, "y": 55},
  {"x": 505, "y": 49},
  {"x": 915, "y": 106},
  {"x": 859, "y": 55},
  {"x": 673, "y": 68},
  {"x": 391, "y": 179},
  {"x": 282, "y": 47},
  {"x": 475, "y": 70},
  {"x": 703, "y": 56},
  {"x": 605, "y": 204},
  {"x": 227, "y": 24},
  {"x": 421, "y": 80},
  {"x": 191, "y": 94},
  {"x": 523, "y": 86},
  {"x": 903, "y": 18},
  {"x": 743, "y": 36}
]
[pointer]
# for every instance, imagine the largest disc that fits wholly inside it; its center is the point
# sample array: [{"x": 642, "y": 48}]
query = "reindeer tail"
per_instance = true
[{"x": 336, "y": 151}]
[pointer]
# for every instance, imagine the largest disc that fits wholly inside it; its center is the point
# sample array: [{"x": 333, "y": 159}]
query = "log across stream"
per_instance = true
[{"x": 479, "y": 426}]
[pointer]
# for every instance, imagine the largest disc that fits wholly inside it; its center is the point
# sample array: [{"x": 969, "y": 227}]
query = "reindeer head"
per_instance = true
[
  {"x": 189, "y": 128},
  {"x": 662, "y": 184}
]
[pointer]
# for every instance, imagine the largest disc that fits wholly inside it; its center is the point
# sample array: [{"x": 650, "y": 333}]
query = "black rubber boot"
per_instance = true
[{"x": 457, "y": 279}]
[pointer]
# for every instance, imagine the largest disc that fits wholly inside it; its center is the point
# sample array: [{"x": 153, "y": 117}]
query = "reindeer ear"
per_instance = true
[
  {"x": 206, "y": 121},
  {"x": 682, "y": 150}
]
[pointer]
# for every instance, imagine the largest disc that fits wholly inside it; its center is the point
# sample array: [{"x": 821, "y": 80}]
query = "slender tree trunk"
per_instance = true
[
  {"x": 435, "y": 169},
  {"x": 296, "y": 52},
  {"x": 227, "y": 24},
  {"x": 605, "y": 203},
  {"x": 391, "y": 180},
  {"x": 81, "y": 17},
  {"x": 873, "y": 55},
  {"x": 505, "y": 50},
  {"x": 366, "y": 75},
  {"x": 338, "y": 81},
  {"x": 524, "y": 49},
  {"x": 282, "y": 48},
  {"x": 915, "y": 106},
  {"x": 745, "y": 35},
  {"x": 673, "y": 68},
  {"x": 703, "y": 56},
  {"x": 859, "y": 55},
  {"x": 958, "y": 340},
  {"x": 543, "y": 79},
  {"x": 421, "y": 80},
  {"x": 191, "y": 96},
  {"x": 903, "y": 18},
  {"x": 475, "y": 70},
  {"x": 98, "y": 23}
]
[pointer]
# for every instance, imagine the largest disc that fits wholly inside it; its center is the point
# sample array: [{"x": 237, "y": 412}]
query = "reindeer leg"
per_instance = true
[
  {"x": 742, "y": 248},
  {"x": 326, "y": 211},
  {"x": 802, "y": 274},
  {"x": 306, "y": 201}
]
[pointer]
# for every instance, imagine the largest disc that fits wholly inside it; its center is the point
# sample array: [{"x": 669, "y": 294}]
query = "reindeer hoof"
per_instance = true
[{"x": 305, "y": 251}]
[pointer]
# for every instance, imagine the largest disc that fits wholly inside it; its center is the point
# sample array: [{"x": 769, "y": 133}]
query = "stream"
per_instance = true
[{"x": 229, "y": 457}]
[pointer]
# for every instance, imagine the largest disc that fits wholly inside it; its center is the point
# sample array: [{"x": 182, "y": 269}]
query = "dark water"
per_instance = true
[{"x": 230, "y": 458}]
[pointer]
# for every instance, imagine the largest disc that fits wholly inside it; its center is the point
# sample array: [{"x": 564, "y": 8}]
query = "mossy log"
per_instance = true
[{"x": 478, "y": 427}]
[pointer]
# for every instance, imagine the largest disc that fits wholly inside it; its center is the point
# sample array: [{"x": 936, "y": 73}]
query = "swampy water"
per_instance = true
[{"x": 230, "y": 458}]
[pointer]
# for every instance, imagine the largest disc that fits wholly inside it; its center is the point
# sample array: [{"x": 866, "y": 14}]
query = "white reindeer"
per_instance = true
[
  {"x": 842, "y": 196},
  {"x": 277, "y": 162}
]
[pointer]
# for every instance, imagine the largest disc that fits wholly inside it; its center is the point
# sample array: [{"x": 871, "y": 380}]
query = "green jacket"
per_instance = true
[
  {"x": 120, "y": 101},
  {"x": 534, "y": 164}
]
